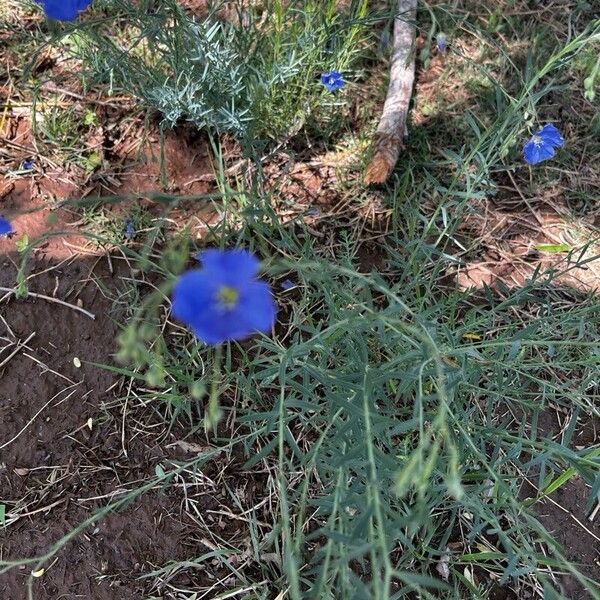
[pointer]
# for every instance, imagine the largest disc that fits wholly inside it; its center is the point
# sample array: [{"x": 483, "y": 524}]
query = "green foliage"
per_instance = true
[
  {"x": 393, "y": 399},
  {"x": 254, "y": 74},
  {"x": 22, "y": 243}
]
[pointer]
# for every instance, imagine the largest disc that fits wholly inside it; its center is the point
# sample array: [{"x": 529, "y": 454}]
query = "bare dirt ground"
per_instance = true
[
  {"x": 60, "y": 450},
  {"x": 64, "y": 452}
]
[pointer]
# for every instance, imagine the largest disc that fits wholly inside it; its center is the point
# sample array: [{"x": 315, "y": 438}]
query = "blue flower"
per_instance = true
[
  {"x": 27, "y": 165},
  {"x": 333, "y": 81},
  {"x": 287, "y": 285},
  {"x": 5, "y": 226},
  {"x": 224, "y": 300},
  {"x": 441, "y": 42},
  {"x": 542, "y": 145},
  {"x": 129, "y": 228},
  {"x": 64, "y": 10}
]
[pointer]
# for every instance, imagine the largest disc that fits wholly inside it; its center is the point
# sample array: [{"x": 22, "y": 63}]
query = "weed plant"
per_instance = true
[{"x": 250, "y": 72}]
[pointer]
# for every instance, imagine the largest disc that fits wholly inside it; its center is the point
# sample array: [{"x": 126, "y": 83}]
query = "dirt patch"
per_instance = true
[
  {"x": 57, "y": 444},
  {"x": 564, "y": 513},
  {"x": 64, "y": 453},
  {"x": 519, "y": 241},
  {"x": 144, "y": 161},
  {"x": 565, "y": 517},
  {"x": 71, "y": 438}
]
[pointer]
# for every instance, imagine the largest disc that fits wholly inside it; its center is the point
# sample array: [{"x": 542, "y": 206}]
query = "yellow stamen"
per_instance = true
[{"x": 228, "y": 297}]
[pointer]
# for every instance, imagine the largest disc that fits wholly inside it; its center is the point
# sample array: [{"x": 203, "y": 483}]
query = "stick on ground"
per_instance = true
[
  {"x": 10, "y": 291},
  {"x": 392, "y": 125}
]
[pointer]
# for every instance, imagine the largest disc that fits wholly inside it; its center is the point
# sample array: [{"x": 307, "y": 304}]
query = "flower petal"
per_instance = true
[
  {"x": 193, "y": 295},
  {"x": 213, "y": 331},
  {"x": 258, "y": 307},
  {"x": 536, "y": 153},
  {"x": 232, "y": 265},
  {"x": 64, "y": 10},
  {"x": 5, "y": 226},
  {"x": 255, "y": 312},
  {"x": 551, "y": 135},
  {"x": 333, "y": 80}
]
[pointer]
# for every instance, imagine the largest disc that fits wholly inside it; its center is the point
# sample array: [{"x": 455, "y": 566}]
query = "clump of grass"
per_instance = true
[
  {"x": 61, "y": 131},
  {"x": 396, "y": 422},
  {"x": 112, "y": 230},
  {"x": 253, "y": 75}
]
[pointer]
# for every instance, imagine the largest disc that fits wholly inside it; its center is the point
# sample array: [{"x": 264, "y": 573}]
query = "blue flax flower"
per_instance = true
[
  {"x": 224, "y": 300},
  {"x": 441, "y": 42},
  {"x": 333, "y": 81},
  {"x": 64, "y": 10},
  {"x": 129, "y": 228},
  {"x": 5, "y": 226},
  {"x": 542, "y": 145}
]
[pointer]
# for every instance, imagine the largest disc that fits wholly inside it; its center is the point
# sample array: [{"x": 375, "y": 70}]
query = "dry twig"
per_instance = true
[
  {"x": 10, "y": 291},
  {"x": 19, "y": 345},
  {"x": 392, "y": 125}
]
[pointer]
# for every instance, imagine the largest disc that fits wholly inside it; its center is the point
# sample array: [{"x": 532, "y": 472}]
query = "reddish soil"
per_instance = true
[
  {"x": 52, "y": 462},
  {"x": 564, "y": 514},
  {"x": 63, "y": 453}
]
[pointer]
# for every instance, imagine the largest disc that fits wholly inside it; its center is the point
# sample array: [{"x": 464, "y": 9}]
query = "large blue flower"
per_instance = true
[
  {"x": 224, "y": 300},
  {"x": 5, "y": 226},
  {"x": 542, "y": 145},
  {"x": 64, "y": 10},
  {"x": 333, "y": 81}
]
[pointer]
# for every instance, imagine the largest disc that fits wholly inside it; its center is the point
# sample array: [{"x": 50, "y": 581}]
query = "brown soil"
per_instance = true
[
  {"x": 59, "y": 446},
  {"x": 62, "y": 455},
  {"x": 63, "y": 451},
  {"x": 565, "y": 517},
  {"x": 564, "y": 513}
]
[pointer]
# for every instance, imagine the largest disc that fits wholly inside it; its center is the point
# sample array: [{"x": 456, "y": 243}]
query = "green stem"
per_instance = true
[{"x": 213, "y": 410}]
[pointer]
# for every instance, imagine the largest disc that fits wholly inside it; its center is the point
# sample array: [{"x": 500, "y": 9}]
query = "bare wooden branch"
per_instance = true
[{"x": 392, "y": 125}]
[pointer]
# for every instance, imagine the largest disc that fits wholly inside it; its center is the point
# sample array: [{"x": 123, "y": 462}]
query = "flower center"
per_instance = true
[
  {"x": 228, "y": 297},
  {"x": 537, "y": 140},
  {"x": 331, "y": 80}
]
